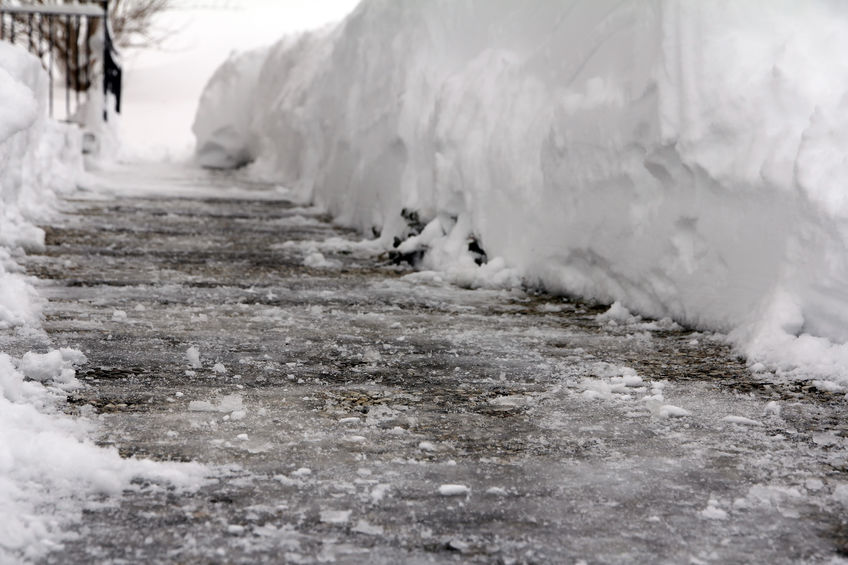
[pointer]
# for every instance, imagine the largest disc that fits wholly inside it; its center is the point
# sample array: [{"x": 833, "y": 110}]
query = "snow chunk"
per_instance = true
[
  {"x": 54, "y": 366},
  {"x": 772, "y": 408},
  {"x": 371, "y": 355},
  {"x": 193, "y": 356},
  {"x": 335, "y": 516},
  {"x": 828, "y": 386},
  {"x": 840, "y": 494},
  {"x": 670, "y": 411},
  {"x": 617, "y": 313},
  {"x": 350, "y": 421},
  {"x": 454, "y": 490},
  {"x": 658, "y": 408},
  {"x": 713, "y": 512},
  {"x": 317, "y": 260},
  {"x": 364, "y": 527},
  {"x": 741, "y": 420},
  {"x": 378, "y": 493},
  {"x": 230, "y": 403}
]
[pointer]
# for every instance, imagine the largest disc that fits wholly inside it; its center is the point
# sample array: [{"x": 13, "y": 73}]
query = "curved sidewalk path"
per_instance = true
[{"x": 351, "y": 413}]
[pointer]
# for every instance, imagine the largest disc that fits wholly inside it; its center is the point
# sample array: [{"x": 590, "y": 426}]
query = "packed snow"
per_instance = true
[
  {"x": 49, "y": 466},
  {"x": 680, "y": 159}
]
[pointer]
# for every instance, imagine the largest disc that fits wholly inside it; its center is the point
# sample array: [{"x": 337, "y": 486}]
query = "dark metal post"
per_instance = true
[
  {"x": 41, "y": 36},
  {"x": 31, "y": 33},
  {"x": 50, "y": 61},
  {"x": 67, "y": 69},
  {"x": 77, "y": 33},
  {"x": 106, "y": 55},
  {"x": 87, "y": 68}
]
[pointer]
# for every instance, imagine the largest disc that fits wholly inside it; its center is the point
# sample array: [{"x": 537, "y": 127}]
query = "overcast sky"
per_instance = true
[{"x": 162, "y": 85}]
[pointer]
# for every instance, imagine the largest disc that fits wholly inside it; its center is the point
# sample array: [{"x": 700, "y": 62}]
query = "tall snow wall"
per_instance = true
[{"x": 687, "y": 159}]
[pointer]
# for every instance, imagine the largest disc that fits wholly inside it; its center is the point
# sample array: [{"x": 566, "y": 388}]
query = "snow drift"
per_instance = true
[{"x": 687, "y": 160}]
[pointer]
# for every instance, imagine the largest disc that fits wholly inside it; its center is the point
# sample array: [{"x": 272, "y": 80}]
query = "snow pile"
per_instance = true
[
  {"x": 47, "y": 462},
  {"x": 686, "y": 160},
  {"x": 228, "y": 142},
  {"x": 48, "y": 466},
  {"x": 37, "y": 158}
]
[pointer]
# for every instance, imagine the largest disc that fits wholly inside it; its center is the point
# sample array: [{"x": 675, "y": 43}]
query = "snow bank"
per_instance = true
[
  {"x": 38, "y": 157},
  {"x": 686, "y": 160},
  {"x": 48, "y": 466}
]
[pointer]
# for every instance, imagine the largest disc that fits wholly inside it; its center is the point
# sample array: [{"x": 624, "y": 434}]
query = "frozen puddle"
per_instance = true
[{"x": 363, "y": 417}]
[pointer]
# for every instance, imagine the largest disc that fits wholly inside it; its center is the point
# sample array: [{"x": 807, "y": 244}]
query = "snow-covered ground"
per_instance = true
[
  {"x": 48, "y": 465},
  {"x": 685, "y": 160}
]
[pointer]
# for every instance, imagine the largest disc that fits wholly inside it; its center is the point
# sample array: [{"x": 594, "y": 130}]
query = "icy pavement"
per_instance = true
[{"x": 354, "y": 414}]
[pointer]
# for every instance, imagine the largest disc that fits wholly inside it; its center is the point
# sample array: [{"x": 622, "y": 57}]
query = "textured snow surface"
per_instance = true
[{"x": 685, "y": 160}]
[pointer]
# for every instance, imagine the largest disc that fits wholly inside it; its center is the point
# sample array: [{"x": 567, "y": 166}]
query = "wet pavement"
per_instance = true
[{"x": 351, "y": 411}]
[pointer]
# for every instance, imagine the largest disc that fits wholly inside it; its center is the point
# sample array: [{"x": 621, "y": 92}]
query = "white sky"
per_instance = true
[{"x": 162, "y": 87}]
